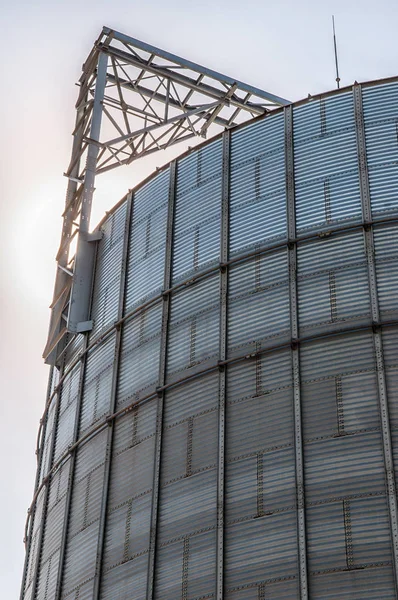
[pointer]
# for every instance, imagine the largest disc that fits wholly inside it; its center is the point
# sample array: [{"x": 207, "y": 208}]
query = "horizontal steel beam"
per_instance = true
[
  {"x": 193, "y": 66},
  {"x": 183, "y": 80}
]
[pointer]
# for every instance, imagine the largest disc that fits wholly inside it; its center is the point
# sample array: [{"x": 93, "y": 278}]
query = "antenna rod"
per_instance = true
[{"x": 335, "y": 55}]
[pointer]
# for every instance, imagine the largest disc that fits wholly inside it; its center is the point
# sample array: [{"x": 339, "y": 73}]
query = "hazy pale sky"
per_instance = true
[{"x": 283, "y": 47}]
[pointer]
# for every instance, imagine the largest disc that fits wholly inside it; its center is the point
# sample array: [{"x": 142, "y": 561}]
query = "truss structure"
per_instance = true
[{"x": 134, "y": 99}]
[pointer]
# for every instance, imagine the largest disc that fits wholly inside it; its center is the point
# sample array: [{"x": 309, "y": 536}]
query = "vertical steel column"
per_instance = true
[
  {"x": 298, "y": 436},
  {"x": 47, "y": 489},
  {"x": 377, "y": 337},
  {"x": 113, "y": 399},
  {"x": 61, "y": 279},
  {"x": 224, "y": 251},
  {"x": 28, "y": 540},
  {"x": 72, "y": 462},
  {"x": 83, "y": 271},
  {"x": 161, "y": 381}
]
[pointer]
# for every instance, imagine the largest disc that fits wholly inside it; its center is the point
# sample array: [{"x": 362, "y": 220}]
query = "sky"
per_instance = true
[{"x": 284, "y": 47}]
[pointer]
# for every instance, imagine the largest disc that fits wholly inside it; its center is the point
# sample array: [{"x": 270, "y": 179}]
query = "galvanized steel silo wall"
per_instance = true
[{"x": 229, "y": 429}]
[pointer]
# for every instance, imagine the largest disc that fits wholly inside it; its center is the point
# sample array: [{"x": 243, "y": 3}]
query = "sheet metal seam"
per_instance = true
[
  {"x": 377, "y": 337},
  {"x": 161, "y": 382},
  {"x": 113, "y": 399},
  {"x": 224, "y": 251},
  {"x": 298, "y": 436}
]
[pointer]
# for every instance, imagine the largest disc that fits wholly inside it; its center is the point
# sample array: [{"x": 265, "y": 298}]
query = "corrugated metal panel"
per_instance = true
[
  {"x": 147, "y": 241},
  {"x": 332, "y": 283},
  {"x": 67, "y": 412},
  {"x": 261, "y": 549},
  {"x": 195, "y": 397},
  {"x": 190, "y": 429},
  {"x": 197, "y": 220},
  {"x": 132, "y": 472},
  {"x": 127, "y": 534},
  {"x": 188, "y": 506},
  {"x": 97, "y": 383},
  {"x": 380, "y": 106},
  {"x": 199, "y": 167},
  {"x": 390, "y": 346},
  {"x": 139, "y": 360},
  {"x": 323, "y": 117},
  {"x": 386, "y": 251},
  {"x": 201, "y": 566},
  {"x": 260, "y": 485},
  {"x": 134, "y": 427},
  {"x": 348, "y": 534},
  {"x": 53, "y": 530},
  {"x": 108, "y": 271},
  {"x": 74, "y": 343},
  {"x": 340, "y": 405},
  {"x": 326, "y": 165},
  {"x": 257, "y": 193},
  {"x": 55, "y": 512},
  {"x": 339, "y": 355},
  {"x": 266, "y": 373},
  {"x": 48, "y": 578},
  {"x": 260, "y": 410},
  {"x": 359, "y": 396},
  {"x": 87, "y": 488},
  {"x": 380, "y": 102},
  {"x": 258, "y": 303},
  {"x": 194, "y": 325},
  {"x": 326, "y": 542},
  {"x": 128, "y": 580},
  {"x": 376, "y": 583},
  {"x": 357, "y": 467},
  {"x": 169, "y": 571},
  {"x": 79, "y": 566},
  {"x": 371, "y": 539},
  {"x": 129, "y": 507},
  {"x": 259, "y": 424},
  {"x": 189, "y": 447}
]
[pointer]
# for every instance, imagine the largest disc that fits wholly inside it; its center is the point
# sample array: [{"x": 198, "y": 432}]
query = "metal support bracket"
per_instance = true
[{"x": 95, "y": 236}]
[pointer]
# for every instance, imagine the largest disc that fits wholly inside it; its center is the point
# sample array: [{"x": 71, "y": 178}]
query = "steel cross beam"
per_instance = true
[{"x": 134, "y": 100}]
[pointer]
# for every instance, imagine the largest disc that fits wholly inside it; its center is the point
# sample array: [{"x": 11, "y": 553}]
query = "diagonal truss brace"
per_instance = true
[{"x": 134, "y": 100}]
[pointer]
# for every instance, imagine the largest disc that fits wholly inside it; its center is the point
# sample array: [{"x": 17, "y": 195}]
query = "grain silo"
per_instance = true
[{"x": 222, "y": 412}]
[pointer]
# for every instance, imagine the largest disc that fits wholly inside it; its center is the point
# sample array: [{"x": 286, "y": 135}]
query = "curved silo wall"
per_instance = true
[{"x": 229, "y": 427}]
